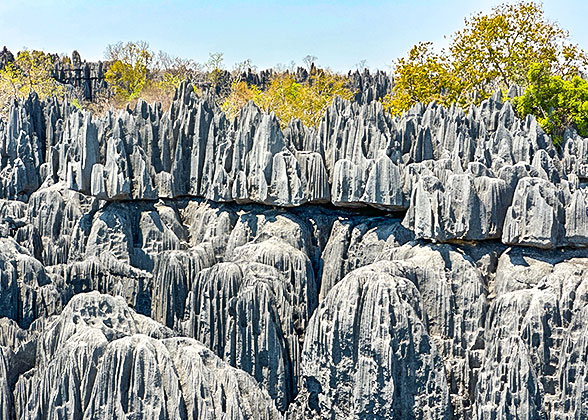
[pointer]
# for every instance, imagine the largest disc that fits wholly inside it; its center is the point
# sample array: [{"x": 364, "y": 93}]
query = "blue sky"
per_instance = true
[{"x": 339, "y": 33}]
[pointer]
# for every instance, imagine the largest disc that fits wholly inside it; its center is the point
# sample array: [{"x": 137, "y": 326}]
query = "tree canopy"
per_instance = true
[
  {"x": 127, "y": 73},
  {"x": 422, "y": 76},
  {"x": 29, "y": 72},
  {"x": 557, "y": 103},
  {"x": 288, "y": 98},
  {"x": 493, "y": 51}
]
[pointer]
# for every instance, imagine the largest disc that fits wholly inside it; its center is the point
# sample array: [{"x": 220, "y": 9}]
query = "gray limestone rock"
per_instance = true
[
  {"x": 355, "y": 269},
  {"x": 576, "y": 219},
  {"x": 26, "y": 291},
  {"x": 391, "y": 369},
  {"x": 454, "y": 298},
  {"x": 352, "y": 245},
  {"x": 173, "y": 276},
  {"x": 533, "y": 337},
  {"x": 358, "y": 156},
  {"x": 536, "y": 216},
  {"x": 241, "y": 312},
  {"x": 99, "y": 359},
  {"x": 465, "y": 207}
]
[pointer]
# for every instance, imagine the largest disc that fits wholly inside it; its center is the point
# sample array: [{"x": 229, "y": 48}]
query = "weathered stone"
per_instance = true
[
  {"x": 283, "y": 253},
  {"x": 391, "y": 369},
  {"x": 536, "y": 216},
  {"x": 100, "y": 359}
]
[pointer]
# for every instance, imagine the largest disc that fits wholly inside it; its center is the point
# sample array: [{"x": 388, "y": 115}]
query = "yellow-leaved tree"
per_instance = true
[
  {"x": 496, "y": 50},
  {"x": 290, "y": 99},
  {"x": 29, "y": 72},
  {"x": 493, "y": 51},
  {"x": 422, "y": 76},
  {"x": 129, "y": 67},
  {"x": 241, "y": 93}
]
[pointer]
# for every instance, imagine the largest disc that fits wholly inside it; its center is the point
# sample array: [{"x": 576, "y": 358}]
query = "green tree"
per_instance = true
[
  {"x": 129, "y": 68},
  {"x": 558, "y": 104}
]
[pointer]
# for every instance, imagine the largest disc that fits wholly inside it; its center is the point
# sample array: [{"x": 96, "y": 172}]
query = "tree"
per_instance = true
[
  {"x": 423, "y": 76},
  {"x": 290, "y": 99},
  {"x": 244, "y": 66},
  {"x": 167, "y": 74},
  {"x": 492, "y": 52},
  {"x": 214, "y": 65},
  {"x": 316, "y": 95},
  {"x": 558, "y": 104},
  {"x": 241, "y": 93},
  {"x": 29, "y": 72},
  {"x": 176, "y": 69},
  {"x": 496, "y": 50},
  {"x": 309, "y": 60},
  {"x": 129, "y": 68}
]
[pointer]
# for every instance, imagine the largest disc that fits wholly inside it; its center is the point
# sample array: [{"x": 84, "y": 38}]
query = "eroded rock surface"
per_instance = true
[
  {"x": 457, "y": 174},
  {"x": 176, "y": 264},
  {"x": 100, "y": 359}
]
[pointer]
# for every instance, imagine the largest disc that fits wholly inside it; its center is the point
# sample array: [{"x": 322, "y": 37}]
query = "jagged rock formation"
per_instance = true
[
  {"x": 367, "y": 353},
  {"x": 456, "y": 175},
  {"x": 85, "y": 77},
  {"x": 175, "y": 264},
  {"x": 99, "y": 359}
]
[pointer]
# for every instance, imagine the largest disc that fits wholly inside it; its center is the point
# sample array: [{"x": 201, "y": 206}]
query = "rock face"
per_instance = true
[
  {"x": 367, "y": 352},
  {"x": 456, "y": 175},
  {"x": 175, "y": 264},
  {"x": 99, "y": 359}
]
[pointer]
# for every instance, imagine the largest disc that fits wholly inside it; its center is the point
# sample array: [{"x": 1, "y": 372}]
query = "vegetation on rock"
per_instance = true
[
  {"x": 29, "y": 72},
  {"x": 127, "y": 74},
  {"x": 557, "y": 102},
  {"x": 290, "y": 99},
  {"x": 493, "y": 51},
  {"x": 136, "y": 71}
]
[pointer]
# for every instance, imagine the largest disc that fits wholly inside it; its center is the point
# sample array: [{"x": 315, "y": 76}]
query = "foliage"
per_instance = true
[
  {"x": 169, "y": 71},
  {"x": 137, "y": 72},
  {"x": 241, "y": 93},
  {"x": 496, "y": 50},
  {"x": 214, "y": 65},
  {"x": 29, "y": 72},
  {"x": 492, "y": 52},
  {"x": 128, "y": 72},
  {"x": 558, "y": 103},
  {"x": 423, "y": 76},
  {"x": 289, "y": 99}
]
